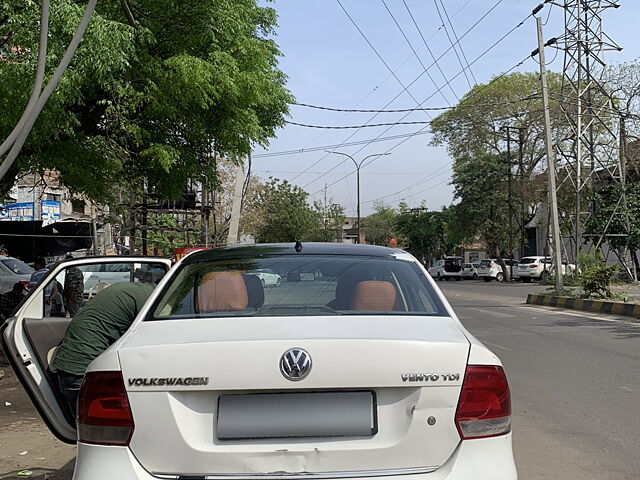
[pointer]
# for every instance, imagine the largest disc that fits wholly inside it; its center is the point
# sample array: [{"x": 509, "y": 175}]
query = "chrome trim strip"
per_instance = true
[{"x": 307, "y": 475}]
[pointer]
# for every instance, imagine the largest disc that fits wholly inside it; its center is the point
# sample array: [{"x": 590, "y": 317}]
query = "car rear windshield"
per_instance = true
[
  {"x": 17, "y": 266},
  {"x": 306, "y": 286},
  {"x": 527, "y": 260},
  {"x": 485, "y": 263}
]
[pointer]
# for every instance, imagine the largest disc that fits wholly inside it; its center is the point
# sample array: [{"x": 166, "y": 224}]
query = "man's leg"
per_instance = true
[{"x": 70, "y": 388}]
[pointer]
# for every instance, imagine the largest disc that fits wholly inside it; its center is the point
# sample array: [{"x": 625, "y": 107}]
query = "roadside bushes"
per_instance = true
[{"x": 597, "y": 281}]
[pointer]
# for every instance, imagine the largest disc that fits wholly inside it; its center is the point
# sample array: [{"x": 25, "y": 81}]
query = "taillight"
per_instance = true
[
  {"x": 533, "y": 265},
  {"x": 484, "y": 407},
  {"x": 104, "y": 416}
]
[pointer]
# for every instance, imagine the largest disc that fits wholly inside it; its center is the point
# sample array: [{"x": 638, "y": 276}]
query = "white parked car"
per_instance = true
[
  {"x": 490, "y": 270},
  {"x": 364, "y": 371},
  {"x": 447, "y": 269},
  {"x": 268, "y": 277},
  {"x": 469, "y": 271},
  {"x": 537, "y": 268},
  {"x": 12, "y": 271}
]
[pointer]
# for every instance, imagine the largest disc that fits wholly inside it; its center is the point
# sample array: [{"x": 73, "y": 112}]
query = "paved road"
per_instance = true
[{"x": 574, "y": 381}]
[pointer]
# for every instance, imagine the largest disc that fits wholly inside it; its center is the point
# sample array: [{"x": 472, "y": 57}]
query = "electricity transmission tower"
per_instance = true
[{"x": 590, "y": 149}]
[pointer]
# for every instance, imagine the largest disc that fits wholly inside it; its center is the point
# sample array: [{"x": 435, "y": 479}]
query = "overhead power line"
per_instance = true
[
  {"x": 455, "y": 35},
  {"x": 484, "y": 53},
  {"x": 415, "y": 53},
  {"x": 471, "y": 28},
  {"x": 404, "y": 110},
  {"x": 366, "y": 125},
  {"x": 426, "y": 44},
  {"x": 521, "y": 62},
  {"x": 451, "y": 42},
  {"x": 331, "y": 147}
]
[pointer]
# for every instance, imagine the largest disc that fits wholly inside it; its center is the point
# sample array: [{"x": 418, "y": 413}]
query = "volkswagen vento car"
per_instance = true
[{"x": 360, "y": 370}]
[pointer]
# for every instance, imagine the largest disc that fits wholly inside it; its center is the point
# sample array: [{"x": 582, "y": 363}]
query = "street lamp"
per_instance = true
[{"x": 358, "y": 166}]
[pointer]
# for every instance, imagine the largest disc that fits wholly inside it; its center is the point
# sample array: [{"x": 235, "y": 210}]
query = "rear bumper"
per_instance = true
[{"x": 482, "y": 459}]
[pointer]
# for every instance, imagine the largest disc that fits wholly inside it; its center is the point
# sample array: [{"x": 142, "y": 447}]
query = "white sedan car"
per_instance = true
[
  {"x": 268, "y": 277},
  {"x": 363, "y": 372}
]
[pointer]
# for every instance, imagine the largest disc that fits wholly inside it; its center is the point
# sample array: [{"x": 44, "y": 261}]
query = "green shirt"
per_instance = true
[{"x": 99, "y": 324}]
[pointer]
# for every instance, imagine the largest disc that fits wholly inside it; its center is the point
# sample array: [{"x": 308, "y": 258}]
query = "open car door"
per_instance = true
[{"x": 40, "y": 323}]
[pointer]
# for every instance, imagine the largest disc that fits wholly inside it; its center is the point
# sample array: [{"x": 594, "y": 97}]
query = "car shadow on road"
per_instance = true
[
  {"x": 621, "y": 329},
  {"x": 40, "y": 473}
]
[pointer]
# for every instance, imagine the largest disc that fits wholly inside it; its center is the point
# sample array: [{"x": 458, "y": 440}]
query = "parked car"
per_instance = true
[
  {"x": 353, "y": 372},
  {"x": 490, "y": 270},
  {"x": 469, "y": 271},
  {"x": 537, "y": 268},
  {"x": 13, "y": 270},
  {"x": 268, "y": 277},
  {"x": 447, "y": 268}
]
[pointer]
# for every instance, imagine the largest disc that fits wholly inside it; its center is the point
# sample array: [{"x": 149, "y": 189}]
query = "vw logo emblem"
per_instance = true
[{"x": 295, "y": 364}]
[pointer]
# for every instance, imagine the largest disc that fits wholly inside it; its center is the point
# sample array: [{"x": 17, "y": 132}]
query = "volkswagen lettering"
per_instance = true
[{"x": 354, "y": 367}]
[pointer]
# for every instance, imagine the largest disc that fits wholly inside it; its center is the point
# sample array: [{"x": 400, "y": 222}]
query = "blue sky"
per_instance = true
[{"x": 329, "y": 63}]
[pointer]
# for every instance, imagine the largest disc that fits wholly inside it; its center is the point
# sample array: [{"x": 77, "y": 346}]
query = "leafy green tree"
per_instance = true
[
  {"x": 622, "y": 224},
  {"x": 287, "y": 216},
  {"x": 379, "y": 227},
  {"x": 165, "y": 234},
  {"x": 332, "y": 217},
  {"x": 425, "y": 233},
  {"x": 483, "y": 207},
  {"x": 153, "y": 92},
  {"x": 473, "y": 126}
]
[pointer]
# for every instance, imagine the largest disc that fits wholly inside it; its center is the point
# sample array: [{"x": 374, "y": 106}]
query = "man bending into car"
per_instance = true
[{"x": 96, "y": 326}]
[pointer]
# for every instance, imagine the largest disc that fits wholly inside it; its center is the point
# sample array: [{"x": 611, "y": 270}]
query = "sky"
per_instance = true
[{"x": 330, "y": 63}]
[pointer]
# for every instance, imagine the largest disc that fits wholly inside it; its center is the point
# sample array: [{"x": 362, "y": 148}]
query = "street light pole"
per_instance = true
[{"x": 358, "y": 167}]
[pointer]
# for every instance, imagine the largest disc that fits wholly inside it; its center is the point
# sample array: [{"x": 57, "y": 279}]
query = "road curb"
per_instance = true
[{"x": 595, "y": 306}]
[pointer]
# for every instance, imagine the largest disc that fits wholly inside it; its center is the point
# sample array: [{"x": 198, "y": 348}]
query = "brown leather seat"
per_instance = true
[
  {"x": 374, "y": 296},
  {"x": 222, "y": 291}
]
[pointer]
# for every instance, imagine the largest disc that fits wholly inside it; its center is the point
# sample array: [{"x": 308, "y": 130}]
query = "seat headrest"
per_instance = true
[
  {"x": 346, "y": 286},
  {"x": 374, "y": 296},
  {"x": 222, "y": 291}
]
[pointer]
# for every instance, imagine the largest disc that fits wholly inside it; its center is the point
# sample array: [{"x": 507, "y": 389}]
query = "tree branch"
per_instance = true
[{"x": 128, "y": 13}]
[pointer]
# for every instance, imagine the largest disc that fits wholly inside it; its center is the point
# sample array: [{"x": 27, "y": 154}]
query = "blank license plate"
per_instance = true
[{"x": 288, "y": 415}]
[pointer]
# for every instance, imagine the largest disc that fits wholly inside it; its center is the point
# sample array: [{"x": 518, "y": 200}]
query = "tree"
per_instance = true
[
  {"x": 611, "y": 216},
  {"x": 379, "y": 227},
  {"x": 424, "y": 232},
  {"x": 483, "y": 207},
  {"x": 150, "y": 97},
  {"x": 332, "y": 219},
  {"x": 287, "y": 216},
  {"x": 473, "y": 126},
  {"x": 220, "y": 197}
]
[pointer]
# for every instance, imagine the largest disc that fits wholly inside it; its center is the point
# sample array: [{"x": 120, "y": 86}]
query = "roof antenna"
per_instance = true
[{"x": 298, "y": 246}]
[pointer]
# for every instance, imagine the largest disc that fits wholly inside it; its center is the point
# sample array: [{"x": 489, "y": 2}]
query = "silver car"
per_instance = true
[{"x": 13, "y": 271}]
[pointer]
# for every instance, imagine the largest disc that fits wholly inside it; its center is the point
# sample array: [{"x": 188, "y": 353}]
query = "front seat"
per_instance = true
[{"x": 346, "y": 287}]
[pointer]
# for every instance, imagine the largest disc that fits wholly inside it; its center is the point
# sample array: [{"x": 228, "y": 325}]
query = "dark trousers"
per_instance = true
[{"x": 70, "y": 387}]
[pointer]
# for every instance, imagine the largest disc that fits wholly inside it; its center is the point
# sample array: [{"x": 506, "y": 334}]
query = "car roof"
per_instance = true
[{"x": 311, "y": 248}]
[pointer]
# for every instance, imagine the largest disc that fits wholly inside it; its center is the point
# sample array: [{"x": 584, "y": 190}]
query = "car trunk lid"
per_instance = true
[{"x": 403, "y": 369}]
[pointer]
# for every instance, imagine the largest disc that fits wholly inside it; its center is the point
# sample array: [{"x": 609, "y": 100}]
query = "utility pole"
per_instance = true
[
  {"x": 551, "y": 161},
  {"x": 204, "y": 208},
  {"x": 623, "y": 183},
  {"x": 522, "y": 195},
  {"x": 509, "y": 199},
  {"x": 358, "y": 167},
  {"x": 234, "y": 225}
]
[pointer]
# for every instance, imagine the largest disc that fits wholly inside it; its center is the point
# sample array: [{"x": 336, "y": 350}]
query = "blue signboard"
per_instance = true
[
  {"x": 50, "y": 212},
  {"x": 24, "y": 212},
  {"x": 20, "y": 212}
]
